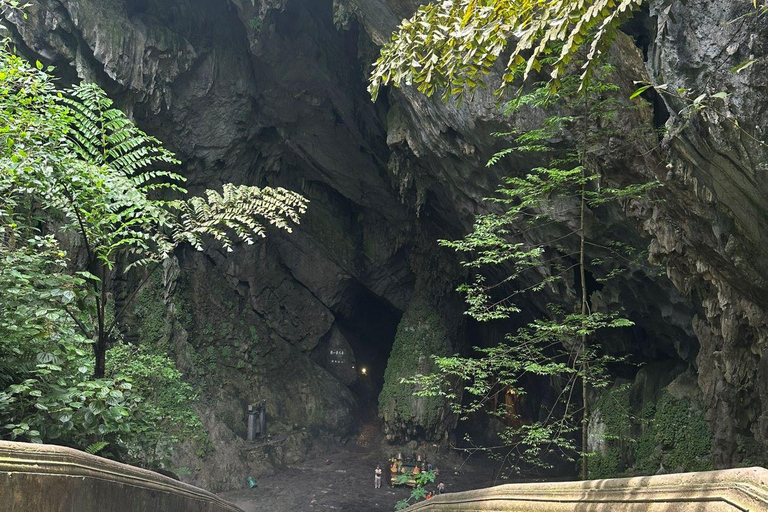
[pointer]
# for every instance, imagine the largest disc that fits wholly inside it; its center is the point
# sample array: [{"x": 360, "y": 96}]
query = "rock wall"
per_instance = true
[
  {"x": 711, "y": 233},
  {"x": 272, "y": 92}
]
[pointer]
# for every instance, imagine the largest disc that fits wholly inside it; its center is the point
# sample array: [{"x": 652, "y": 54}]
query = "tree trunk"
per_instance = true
[
  {"x": 100, "y": 351},
  {"x": 584, "y": 298},
  {"x": 100, "y": 348},
  {"x": 583, "y": 349}
]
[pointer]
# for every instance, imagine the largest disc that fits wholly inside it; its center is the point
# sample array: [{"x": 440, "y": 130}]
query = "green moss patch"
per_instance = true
[
  {"x": 676, "y": 437},
  {"x": 420, "y": 334}
]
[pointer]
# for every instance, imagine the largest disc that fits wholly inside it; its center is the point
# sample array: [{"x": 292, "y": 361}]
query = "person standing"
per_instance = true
[
  {"x": 440, "y": 488},
  {"x": 377, "y": 478}
]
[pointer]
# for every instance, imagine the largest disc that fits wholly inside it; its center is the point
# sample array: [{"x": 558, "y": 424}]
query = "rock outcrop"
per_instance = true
[
  {"x": 420, "y": 335},
  {"x": 711, "y": 232}
]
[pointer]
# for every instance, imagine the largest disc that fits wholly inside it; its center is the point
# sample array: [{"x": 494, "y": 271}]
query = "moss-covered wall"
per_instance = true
[
  {"x": 676, "y": 437},
  {"x": 614, "y": 413},
  {"x": 665, "y": 435},
  {"x": 420, "y": 335},
  {"x": 233, "y": 357}
]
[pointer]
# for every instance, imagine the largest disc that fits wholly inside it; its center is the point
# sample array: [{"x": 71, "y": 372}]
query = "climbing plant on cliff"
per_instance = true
[{"x": 451, "y": 46}]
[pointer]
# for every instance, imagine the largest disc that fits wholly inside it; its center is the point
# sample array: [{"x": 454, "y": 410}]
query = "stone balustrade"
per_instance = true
[
  {"x": 48, "y": 478},
  {"x": 712, "y": 491}
]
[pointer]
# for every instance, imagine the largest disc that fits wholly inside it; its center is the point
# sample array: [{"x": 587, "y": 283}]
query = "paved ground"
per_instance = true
[{"x": 343, "y": 481}]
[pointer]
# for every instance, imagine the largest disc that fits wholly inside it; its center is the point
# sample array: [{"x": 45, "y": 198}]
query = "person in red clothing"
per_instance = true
[{"x": 429, "y": 495}]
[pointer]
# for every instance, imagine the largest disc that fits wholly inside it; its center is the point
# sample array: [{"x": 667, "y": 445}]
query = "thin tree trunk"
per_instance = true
[
  {"x": 100, "y": 348},
  {"x": 100, "y": 351},
  {"x": 583, "y": 350},
  {"x": 584, "y": 304}
]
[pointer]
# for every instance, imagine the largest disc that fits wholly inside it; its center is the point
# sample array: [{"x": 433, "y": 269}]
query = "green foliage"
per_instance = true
[
  {"x": 165, "y": 416},
  {"x": 49, "y": 396},
  {"x": 614, "y": 411},
  {"x": 676, "y": 437},
  {"x": 692, "y": 103},
  {"x": 237, "y": 210},
  {"x": 149, "y": 313},
  {"x": 450, "y": 46},
  {"x": 539, "y": 200},
  {"x": 69, "y": 161},
  {"x": 74, "y": 156},
  {"x": 46, "y": 392},
  {"x": 537, "y": 234},
  {"x": 420, "y": 334},
  {"x": 95, "y": 448},
  {"x": 124, "y": 216},
  {"x": 418, "y": 493},
  {"x": 256, "y": 23}
]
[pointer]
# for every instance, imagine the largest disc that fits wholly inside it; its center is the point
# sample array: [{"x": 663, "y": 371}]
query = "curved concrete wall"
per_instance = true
[
  {"x": 47, "y": 478},
  {"x": 713, "y": 491}
]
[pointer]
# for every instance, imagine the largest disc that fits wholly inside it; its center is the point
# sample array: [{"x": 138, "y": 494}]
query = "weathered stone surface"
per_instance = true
[
  {"x": 48, "y": 478},
  {"x": 711, "y": 233},
  {"x": 714, "y": 491}
]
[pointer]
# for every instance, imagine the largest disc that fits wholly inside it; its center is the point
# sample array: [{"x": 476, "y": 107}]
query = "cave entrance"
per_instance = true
[{"x": 369, "y": 324}]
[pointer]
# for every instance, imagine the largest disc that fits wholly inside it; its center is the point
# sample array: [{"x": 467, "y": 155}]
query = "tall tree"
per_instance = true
[
  {"x": 541, "y": 233},
  {"x": 448, "y": 48}
]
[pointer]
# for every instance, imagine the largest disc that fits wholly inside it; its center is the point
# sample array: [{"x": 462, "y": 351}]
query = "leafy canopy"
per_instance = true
[{"x": 450, "y": 46}]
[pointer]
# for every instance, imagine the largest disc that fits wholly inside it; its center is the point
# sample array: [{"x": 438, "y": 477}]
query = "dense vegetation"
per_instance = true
[{"x": 86, "y": 198}]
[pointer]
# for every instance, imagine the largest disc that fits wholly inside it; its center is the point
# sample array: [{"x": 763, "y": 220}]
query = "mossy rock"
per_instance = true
[
  {"x": 676, "y": 439},
  {"x": 613, "y": 413},
  {"x": 150, "y": 314},
  {"x": 669, "y": 435},
  {"x": 420, "y": 335}
]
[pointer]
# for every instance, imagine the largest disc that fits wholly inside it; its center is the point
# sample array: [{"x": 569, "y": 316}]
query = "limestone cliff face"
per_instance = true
[
  {"x": 712, "y": 233},
  {"x": 273, "y": 92}
]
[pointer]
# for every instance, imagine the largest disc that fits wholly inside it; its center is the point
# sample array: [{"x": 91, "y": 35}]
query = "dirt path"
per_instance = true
[{"x": 343, "y": 481}]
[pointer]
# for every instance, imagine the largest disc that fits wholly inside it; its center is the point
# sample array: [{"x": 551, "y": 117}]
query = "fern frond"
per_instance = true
[
  {"x": 95, "y": 448},
  {"x": 238, "y": 214},
  {"x": 103, "y": 135}
]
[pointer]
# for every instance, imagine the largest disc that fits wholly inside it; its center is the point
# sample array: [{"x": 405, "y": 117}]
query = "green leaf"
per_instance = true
[
  {"x": 640, "y": 91},
  {"x": 743, "y": 65}
]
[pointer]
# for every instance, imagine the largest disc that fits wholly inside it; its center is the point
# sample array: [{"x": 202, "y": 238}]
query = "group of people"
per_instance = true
[{"x": 440, "y": 490}]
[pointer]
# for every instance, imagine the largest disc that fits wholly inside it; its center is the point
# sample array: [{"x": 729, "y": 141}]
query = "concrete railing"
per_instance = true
[
  {"x": 47, "y": 478},
  {"x": 712, "y": 491}
]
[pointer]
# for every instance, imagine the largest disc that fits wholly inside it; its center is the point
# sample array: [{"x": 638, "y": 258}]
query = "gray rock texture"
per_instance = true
[
  {"x": 711, "y": 234},
  {"x": 272, "y": 92}
]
